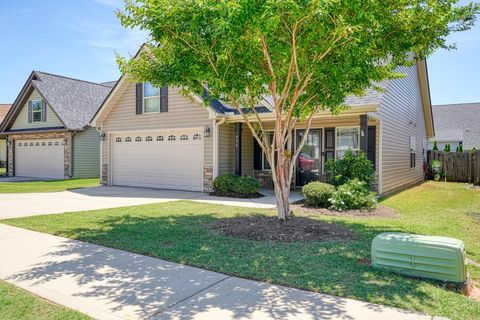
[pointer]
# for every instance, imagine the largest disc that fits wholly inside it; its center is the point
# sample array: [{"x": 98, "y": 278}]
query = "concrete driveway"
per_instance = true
[{"x": 16, "y": 205}]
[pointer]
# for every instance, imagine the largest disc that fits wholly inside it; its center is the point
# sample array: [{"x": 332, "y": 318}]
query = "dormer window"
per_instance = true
[
  {"x": 151, "y": 98},
  {"x": 37, "y": 110}
]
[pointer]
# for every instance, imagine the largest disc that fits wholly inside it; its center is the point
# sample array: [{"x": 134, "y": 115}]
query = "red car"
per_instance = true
[{"x": 306, "y": 163}]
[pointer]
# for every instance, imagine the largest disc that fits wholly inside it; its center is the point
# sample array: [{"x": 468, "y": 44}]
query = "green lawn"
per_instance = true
[
  {"x": 17, "y": 304},
  {"x": 3, "y": 171},
  {"x": 47, "y": 186},
  {"x": 177, "y": 231}
]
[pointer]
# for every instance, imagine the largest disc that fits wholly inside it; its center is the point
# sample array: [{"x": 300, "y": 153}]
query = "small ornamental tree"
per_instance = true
[
  {"x": 306, "y": 56},
  {"x": 435, "y": 146}
]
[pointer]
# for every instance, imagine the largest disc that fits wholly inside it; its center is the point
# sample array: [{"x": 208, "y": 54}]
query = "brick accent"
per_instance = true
[
  {"x": 66, "y": 136},
  {"x": 264, "y": 177},
  {"x": 105, "y": 174},
  {"x": 207, "y": 178}
]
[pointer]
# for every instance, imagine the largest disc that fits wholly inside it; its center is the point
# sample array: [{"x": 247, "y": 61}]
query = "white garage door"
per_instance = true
[
  {"x": 168, "y": 159},
  {"x": 39, "y": 158}
]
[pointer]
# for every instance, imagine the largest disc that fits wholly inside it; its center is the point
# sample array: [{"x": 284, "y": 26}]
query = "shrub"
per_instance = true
[
  {"x": 350, "y": 167},
  {"x": 459, "y": 148},
  {"x": 435, "y": 147},
  {"x": 354, "y": 195},
  {"x": 246, "y": 185},
  {"x": 436, "y": 169},
  {"x": 225, "y": 183},
  {"x": 317, "y": 193},
  {"x": 447, "y": 147}
]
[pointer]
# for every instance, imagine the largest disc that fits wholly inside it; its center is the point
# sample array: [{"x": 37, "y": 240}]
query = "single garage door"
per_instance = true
[
  {"x": 39, "y": 158},
  {"x": 169, "y": 159}
]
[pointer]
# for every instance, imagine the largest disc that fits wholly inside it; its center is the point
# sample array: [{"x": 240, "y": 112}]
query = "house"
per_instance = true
[
  {"x": 3, "y": 142},
  {"x": 456, "y": 124},
  {"x": 47, "y": 129},
  {"x": 155, "y": 137}
]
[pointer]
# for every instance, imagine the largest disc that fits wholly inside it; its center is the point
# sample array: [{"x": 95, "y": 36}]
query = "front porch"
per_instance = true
[{"x": 328, "y": 137}]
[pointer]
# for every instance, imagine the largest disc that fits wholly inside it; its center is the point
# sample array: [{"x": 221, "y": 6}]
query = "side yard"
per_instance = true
[
  {"x": 47, "y": 186},
  {"x": 17, "y": 304},
  {"x": 182, "y": 232}
]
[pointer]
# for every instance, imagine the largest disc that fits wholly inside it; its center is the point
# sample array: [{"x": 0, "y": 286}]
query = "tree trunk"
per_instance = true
[{"x": 282, "y": 191}]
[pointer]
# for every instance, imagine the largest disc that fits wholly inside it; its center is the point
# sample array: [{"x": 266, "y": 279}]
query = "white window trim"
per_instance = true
[
  {"x": 41, "y": 110},
  {"x": 151, "y": 97},
  {"x": 412, "y": 150},
  {"x": 336, "y": 139}
]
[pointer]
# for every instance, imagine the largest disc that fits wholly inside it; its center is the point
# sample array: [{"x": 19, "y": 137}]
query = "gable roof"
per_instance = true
[
  {"x": 453, "y": 121},
  {"x": 4, "y": 110},
  {"x": 73, "y": 101}
]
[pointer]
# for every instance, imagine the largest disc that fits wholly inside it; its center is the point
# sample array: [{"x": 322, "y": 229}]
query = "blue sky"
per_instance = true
[{"x": 79, "y": 38}]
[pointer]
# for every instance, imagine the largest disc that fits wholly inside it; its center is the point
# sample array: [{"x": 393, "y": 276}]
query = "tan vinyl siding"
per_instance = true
[
  {"x": 402, "y": 116},
  {"x": 182, "y": 113},
  {"x": 21, "y": 122},
  {"x": 86, "y": 154},
  {"x": 3, "y": 150},
  {"x": 247, "y": 151},
  {"x": 226, "y": 150}
]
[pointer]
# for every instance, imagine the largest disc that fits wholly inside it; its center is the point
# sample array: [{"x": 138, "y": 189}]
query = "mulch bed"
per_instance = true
[
  {"x": 379, "y": 211},
  {"x": 236, "y": 195},
  {"x": 263, "y": 228}
]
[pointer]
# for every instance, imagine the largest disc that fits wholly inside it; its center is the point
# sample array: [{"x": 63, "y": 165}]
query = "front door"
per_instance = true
[{"x": 309, "y": 164}]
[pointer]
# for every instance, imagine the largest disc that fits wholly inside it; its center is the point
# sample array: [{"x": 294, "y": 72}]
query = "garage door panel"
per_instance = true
[
  {"x": 39, "y": 158},
  {"x": 159, "y": 164}
]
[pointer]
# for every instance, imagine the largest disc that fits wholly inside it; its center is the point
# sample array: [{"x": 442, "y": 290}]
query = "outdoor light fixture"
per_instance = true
[
  {"x": 207, "y": 132},
  {"x": 102, "y": 136}
]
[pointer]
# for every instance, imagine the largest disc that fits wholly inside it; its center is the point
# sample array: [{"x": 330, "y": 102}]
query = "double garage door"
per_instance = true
[
  {"x": 168, "y": 159},
  {"x": 39, "y": 158}
]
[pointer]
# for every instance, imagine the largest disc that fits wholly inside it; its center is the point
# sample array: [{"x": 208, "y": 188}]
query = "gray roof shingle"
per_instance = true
[
  {"x": 458, "y": 122},
  {"x": 74, "y": 101}
]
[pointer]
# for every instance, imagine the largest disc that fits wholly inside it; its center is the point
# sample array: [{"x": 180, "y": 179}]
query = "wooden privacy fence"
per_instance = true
[{"x": 458, "y": 166}]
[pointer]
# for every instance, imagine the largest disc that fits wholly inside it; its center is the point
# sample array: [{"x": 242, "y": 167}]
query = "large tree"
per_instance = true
[{"x": 306, "y": 55}]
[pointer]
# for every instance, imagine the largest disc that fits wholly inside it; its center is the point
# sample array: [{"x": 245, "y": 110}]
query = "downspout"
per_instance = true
[
  {"x": 100, "y": 131},
  {"x": 216, "y": 146}
]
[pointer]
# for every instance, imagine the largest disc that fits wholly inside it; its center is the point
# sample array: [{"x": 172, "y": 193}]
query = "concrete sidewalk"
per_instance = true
[
  {"x": 15, "y": 205},
  {"x": 113, "y": 284}
]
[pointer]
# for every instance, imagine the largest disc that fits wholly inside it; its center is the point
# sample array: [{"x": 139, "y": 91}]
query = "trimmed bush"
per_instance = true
[
  {"x": 351, "y": 166},
  {"x": 317, "y": 193},
  {"x": 353, "y": 195},
  {"x": 246, "y": 185},
  {"x": 225, "y": 183}
]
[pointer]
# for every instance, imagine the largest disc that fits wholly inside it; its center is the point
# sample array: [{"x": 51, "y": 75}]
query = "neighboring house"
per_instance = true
[
  {"x": 155, "y": 137},
  {"x": 3, "y": 142},
  {"x": 456, "y": 124},
  {"x": 47, "y": 129}
]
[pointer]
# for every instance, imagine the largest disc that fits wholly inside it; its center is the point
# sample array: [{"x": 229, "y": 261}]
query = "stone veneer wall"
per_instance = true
[
  {"x": 264, "y": 177},
  {"x": 207, "y": 178},
  {"x": 66, "y": 136}
]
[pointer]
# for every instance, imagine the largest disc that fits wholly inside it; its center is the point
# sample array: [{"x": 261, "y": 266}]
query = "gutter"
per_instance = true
[
  {"x": 100, "y": 131},
  {"x": 216, "y": 145}
]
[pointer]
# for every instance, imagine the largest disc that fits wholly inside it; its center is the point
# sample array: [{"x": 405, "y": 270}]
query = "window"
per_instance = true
[
  {"x": 50, "y": 144},
  {"x": 197, "y": 136},
  {"x": 20, "y": 144},
  {"x": 118, "y": 139},
  {"x": 56, "y": 143},
  {"x": 37, "y": 144},
  {"x": 148, "y": 139},
  {"x": 171, "y": 138},
  {"x": 347, "y": 138},
  {"x": 44, "y": 144},
  {"x": 128, "y": 139},
  {"x": 37, "y": 110},
  {"x": 184, "y": 137},
  {"x": 412, "y": 152},
  {"x": 159, "y": 138},
  {"x": 138, "y": 139},
  {"x": 151, "y": 98},
  {"x": 31, "y": 144}
]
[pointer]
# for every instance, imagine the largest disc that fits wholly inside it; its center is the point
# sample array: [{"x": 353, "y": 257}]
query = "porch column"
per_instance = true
[
  {"x": 364, "y": 133},
  {"x": 238, "y": 149}
]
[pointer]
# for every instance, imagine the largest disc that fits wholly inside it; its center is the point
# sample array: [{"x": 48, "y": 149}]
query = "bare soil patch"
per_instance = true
[
  {"x": 379, "y": 211},
  {"x": 263, "y": 228}
]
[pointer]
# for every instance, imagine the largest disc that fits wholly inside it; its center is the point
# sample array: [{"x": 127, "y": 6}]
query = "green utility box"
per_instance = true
[{"x": 438, "y": 258}]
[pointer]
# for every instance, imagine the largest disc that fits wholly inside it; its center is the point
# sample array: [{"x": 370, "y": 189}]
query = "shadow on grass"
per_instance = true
[{"x": 336, "y": 268}]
